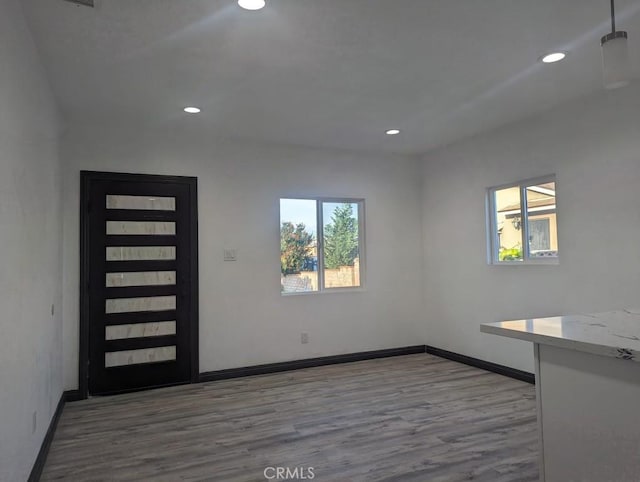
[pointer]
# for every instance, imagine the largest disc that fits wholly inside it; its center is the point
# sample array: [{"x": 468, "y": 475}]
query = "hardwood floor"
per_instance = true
[{"x": 411, "y": 418}]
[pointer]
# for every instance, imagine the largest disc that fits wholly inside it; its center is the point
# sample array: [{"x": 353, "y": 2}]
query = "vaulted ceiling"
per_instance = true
[{"x": 324, "y": 73}]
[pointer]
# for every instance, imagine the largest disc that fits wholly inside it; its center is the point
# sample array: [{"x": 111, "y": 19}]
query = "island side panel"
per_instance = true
[
  {"x": 536, "y": 354},
  {"x": 589, "y": 415}
]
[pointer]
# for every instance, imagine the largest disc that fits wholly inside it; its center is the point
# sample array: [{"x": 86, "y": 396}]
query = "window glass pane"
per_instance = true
[
  {"x": 140, "y": 228},
  {"x": 151, "y": 303},
  {"x": 140, "y": 253},
  {"x": 541, "y": 212},
  {"x": 145, "y": 278},
  {"x": 136, "y": 357},
  {"x": 341, "y": 248},
  {"x": 508, "y": 224},
  {"x": 298, "y": 246},
  {"x": 140, "y": 330},
  {"x": 149, "y": 203}
]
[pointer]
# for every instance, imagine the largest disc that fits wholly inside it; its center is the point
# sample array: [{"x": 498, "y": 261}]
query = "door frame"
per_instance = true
[{"x": 86, "y": 178}]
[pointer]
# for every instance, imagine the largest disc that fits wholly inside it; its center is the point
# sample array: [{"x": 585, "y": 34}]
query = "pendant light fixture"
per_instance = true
[{"x": 615, "y": 56}]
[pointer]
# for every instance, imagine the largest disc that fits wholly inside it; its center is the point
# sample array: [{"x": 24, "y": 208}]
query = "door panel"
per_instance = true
[{"x": 142, "y": 281}]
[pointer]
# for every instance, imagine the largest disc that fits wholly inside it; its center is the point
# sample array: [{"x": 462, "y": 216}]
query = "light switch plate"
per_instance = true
[
  {"x": 230, "y": 255},
  {"x": 87, "y": 3}
]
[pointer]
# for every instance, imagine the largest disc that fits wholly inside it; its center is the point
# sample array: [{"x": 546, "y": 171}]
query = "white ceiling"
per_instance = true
[{"x": 324, "y": 73}]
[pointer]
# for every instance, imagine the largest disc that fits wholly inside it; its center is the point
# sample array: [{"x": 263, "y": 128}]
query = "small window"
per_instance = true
[
  {"x": 523, "y": 222},
  {"x": 321, "y": 244}
]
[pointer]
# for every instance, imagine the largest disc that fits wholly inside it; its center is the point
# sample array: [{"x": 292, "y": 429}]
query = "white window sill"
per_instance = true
[
  {"x": 325, "y": 292},
  {"x": 531, "y": 262}
]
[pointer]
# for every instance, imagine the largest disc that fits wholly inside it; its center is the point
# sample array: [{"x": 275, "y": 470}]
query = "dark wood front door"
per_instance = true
[{"x": 139, "y": 269}]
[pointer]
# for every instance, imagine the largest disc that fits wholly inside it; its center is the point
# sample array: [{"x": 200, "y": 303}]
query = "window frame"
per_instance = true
[
  {"x": 493, "y": 244},
  {"x": 319, "y": 200}
]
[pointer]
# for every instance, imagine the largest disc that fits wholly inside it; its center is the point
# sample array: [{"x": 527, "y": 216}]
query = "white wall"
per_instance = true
[
  {"x": 30, "y": 249},
  {"x": 593, "y": 146},
  {"x": 243, "y": 318}
]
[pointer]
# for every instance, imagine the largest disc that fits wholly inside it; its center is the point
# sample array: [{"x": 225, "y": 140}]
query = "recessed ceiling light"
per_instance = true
[
  {"x": 252, "y": 4},
  {"x": 192, "y": 110},
  {"x": 392, "y": 132},
  {"x": 553, "y": 57}
]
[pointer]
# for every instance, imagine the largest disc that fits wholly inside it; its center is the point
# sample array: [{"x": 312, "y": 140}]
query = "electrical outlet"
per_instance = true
[
  {"x": 34, "y": 422},
  {"x": 304, "y": 338}
]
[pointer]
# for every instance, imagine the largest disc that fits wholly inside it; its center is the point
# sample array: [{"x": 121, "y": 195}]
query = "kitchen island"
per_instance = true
[{"x": 587, "y": 371}]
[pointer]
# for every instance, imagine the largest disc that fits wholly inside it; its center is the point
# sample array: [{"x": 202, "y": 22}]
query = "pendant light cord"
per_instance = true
[{"x": 613, "y": 17}]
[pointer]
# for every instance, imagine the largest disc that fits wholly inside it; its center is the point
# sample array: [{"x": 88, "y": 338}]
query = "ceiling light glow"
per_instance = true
[
  {"x": 192, "y": 110},
  {"x": 252, "y": 4},
  {"x": 392, "y": 132},
  {"x": 553, "y": 57}
]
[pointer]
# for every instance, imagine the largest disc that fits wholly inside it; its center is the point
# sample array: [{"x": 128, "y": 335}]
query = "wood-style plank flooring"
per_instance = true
[{"x": 411, "y": 418}]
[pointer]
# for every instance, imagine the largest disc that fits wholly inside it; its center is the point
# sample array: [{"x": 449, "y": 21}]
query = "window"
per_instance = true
[
  {"x": 523, "y": 222},
  {"x": 321, "y": 244}
]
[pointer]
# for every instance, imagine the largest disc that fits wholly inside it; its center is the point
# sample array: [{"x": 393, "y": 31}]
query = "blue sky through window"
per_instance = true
[
  {"x": 304, "y": 211},
  {"x": 299, "y": 211}
]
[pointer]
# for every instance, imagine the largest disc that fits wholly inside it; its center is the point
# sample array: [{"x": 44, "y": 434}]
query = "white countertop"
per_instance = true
[{"x": 615, "y": 333}]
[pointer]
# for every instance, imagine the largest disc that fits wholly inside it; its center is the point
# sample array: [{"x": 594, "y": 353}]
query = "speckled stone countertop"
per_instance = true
[{"x": 615, "y": 333}]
